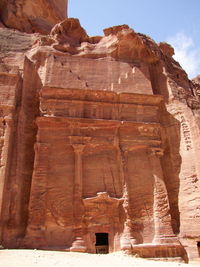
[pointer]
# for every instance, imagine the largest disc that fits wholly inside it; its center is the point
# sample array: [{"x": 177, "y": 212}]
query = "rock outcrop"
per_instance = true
[
  {"x": 196, "y": 79},
  {"x": 32, "y": 16},
  {"x": 100, "y": 144}
]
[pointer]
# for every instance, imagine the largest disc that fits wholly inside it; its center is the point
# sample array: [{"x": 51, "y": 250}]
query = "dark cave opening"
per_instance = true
[{"x": 102, "y": 243}]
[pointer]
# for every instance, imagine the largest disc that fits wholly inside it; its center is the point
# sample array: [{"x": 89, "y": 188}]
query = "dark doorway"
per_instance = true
[
  {"x": 102, "y": 246},
  {"x": 198, "y": 246}
]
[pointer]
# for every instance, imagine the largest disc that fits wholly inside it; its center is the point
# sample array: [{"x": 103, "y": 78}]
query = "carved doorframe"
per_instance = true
[{"x": 102, "y": 214}]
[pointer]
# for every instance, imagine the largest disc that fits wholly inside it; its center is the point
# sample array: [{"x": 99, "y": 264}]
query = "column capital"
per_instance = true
[
  {"x": 78, "y": 148},
  {"x": 7, "y": 120},
  {"x": 156, "y": 151}
]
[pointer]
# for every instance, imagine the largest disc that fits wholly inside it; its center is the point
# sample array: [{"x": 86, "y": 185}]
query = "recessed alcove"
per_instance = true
[
  {"x": 102, "y": 243},
  {"x": 198, "y": 246}
]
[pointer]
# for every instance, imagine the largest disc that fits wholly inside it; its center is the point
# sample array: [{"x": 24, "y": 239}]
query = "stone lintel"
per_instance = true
[
  {"x": 61, "y": 122},
  {"x": 143, "y": 146},
  {"x": 99, "y": 96},
  {"x": 103, "y": 132}
]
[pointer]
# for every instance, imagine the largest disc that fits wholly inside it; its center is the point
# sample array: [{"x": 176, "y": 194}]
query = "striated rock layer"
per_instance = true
[{"x": 100, "y": 144}]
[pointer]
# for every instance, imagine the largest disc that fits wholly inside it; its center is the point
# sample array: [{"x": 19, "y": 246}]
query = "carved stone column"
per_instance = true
[
  {"x": 4, "y": 164},
  {"x": 37, "y": 205},
  {"x": 162, "y": 218},
  {"x": 78, "y": 244},
  {"x": 127, "y": 240}
]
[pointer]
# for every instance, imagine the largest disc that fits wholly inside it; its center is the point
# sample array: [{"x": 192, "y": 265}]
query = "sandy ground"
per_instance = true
[{"x": 30, "y": 258}]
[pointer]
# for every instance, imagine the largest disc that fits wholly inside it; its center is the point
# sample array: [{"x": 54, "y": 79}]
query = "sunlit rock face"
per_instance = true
[
  {"x": 32, "y": 16},
  {"x": 100, "y": 144}
]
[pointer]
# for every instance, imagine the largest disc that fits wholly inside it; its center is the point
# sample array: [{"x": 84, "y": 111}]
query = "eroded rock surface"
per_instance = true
[
  {"x": 32, "y": 16},
  {"x": 98, "y": 135}
]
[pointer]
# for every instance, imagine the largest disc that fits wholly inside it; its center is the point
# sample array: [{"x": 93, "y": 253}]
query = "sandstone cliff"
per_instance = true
[
  {"x": 98, "y": 135},
  {"x": 32, "y": 16}
]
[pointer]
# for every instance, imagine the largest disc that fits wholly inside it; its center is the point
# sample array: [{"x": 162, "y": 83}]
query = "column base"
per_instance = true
[
  {"x": 78, "y": 245},
  {"x": 126, "y": 243},
  {"x": 173, "y": 240}
]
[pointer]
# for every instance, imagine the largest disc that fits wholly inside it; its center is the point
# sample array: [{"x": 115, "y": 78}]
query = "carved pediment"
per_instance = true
[
  {"x": 102, "y": 197},
  {"x": 102, "y": 209}
]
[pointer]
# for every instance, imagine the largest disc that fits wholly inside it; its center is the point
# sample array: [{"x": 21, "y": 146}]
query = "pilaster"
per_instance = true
[
  {"x": 162, "y": 218},
  {"x": 7, "y": 143},
  {"x": 78, "y": 244},
  {"x": 37, "y": 204},
  {"x": 127, "y": 239}
]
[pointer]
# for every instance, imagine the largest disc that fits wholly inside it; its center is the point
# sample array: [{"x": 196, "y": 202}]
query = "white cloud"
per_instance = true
[{"x": 186, "y": 53}]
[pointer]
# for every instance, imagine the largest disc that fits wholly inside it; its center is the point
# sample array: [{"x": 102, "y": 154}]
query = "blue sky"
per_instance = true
[{"x": 173, "y": 21}]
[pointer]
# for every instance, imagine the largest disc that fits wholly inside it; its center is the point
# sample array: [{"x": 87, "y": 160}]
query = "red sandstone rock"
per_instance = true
[
  {"x": 98, "y": 135},
  {"x": 197, "y": 79},
  {"x": 167, "y": 49},
  {"x": 32, "y": 16},
  {"x": 119, "y": 42}
]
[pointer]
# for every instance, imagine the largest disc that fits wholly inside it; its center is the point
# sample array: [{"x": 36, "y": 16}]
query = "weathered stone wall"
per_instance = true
[
  {"x": 93, "y": 155},
  {"x": 99, "y": 134}
]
